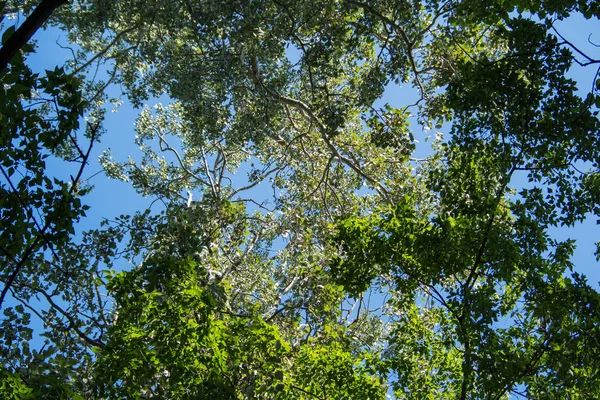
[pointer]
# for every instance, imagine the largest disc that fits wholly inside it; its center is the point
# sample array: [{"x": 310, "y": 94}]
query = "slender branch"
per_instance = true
[
  {"x": 104, "y": 50},
  {"x": 473, "y": 272},
  {"x": 324, "y": 176},
  {"x": 259, "y": 180},
  {"x": 469, "y": 282},
  {"x": 528, "y": 369},
  {"x": 72, "y": 323},
  {"x": 41, "y": 234},
  {"x": 307, "y": 112},
  {"x": 101, "y": 90},
  {"x": 17, "y": 268},
  {"x": 208, "y": 174},
  {"x": 238, "y": 262},
  {"x": 179, "y": 159},
  {"x": 41, "y": 231},
  {"x": 410, "y": 44},
  {"x": 571, "y": 45}
]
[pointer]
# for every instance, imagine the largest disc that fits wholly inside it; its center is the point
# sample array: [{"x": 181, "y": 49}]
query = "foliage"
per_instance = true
[
  {"x": 46, "y": 277},
  {"x": 299, "y": 248}
]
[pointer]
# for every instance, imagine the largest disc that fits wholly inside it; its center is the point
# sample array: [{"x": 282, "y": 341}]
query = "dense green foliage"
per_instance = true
[{"x": 297, "y": 247}]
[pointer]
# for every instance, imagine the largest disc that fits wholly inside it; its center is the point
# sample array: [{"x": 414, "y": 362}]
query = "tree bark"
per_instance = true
[{"x": 22, "y": 35}]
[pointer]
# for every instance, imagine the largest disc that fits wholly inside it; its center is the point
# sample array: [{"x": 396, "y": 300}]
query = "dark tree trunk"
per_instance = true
[{"x": 22, "y": 35}]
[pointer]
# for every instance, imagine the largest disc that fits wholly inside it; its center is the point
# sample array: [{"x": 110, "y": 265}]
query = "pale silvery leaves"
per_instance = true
[
  {"x": 112, "y": 168},
  {"x": 255, "y": 279}
]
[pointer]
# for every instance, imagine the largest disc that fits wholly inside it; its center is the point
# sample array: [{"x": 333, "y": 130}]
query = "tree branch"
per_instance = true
[
  {"x": 307, "y": 112},
  {"x": 24, "y": 33}
]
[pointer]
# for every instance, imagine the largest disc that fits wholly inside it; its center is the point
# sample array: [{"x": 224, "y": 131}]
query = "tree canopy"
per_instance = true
[{"x": 304, "y": 241}]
